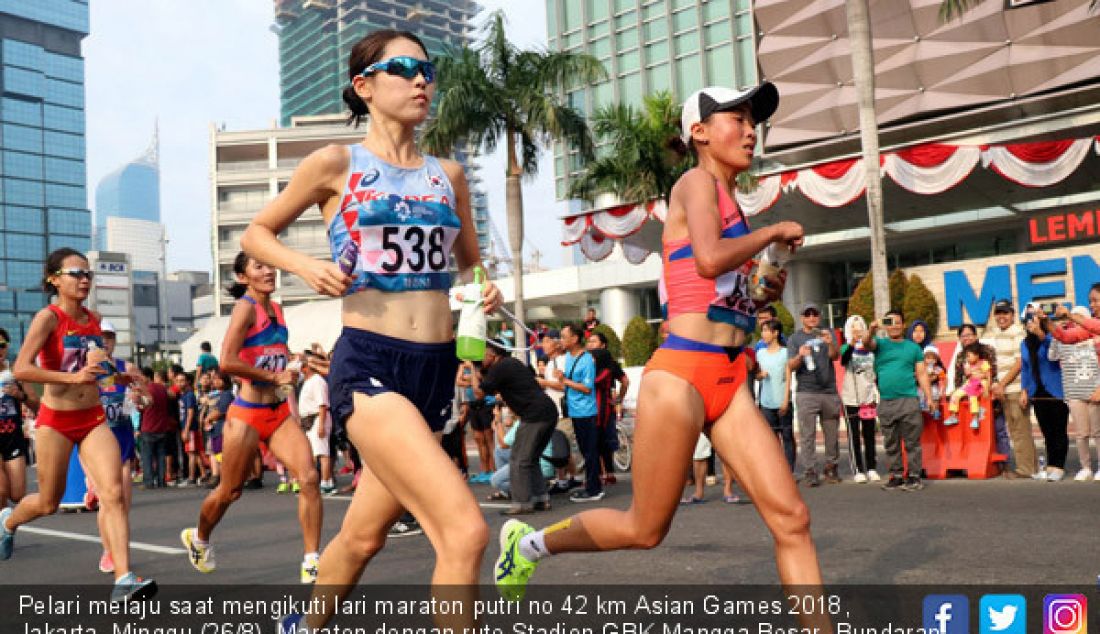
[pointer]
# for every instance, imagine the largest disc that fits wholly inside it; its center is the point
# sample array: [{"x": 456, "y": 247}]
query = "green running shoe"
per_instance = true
[{"x": 512, "y": 569}]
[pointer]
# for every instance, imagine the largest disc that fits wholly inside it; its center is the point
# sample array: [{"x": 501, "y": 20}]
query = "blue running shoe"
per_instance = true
[
  {"x": 130, "y": 587},
  {"x": 293, "y": 624},
  {"x": 7, "y": 538}
]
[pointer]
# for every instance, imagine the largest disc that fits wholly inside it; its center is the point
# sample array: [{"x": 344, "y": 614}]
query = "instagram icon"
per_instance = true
[{"x": 1065, "y": 614}]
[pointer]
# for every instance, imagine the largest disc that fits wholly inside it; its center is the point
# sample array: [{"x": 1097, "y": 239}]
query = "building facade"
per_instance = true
[
  {"x": 249, "y": 168},
  {"x": 44, "y": 201},
  {"x": 131, "y": 191},
  {"x": 112, "y": 297},
  {"x": 677, "y": 46},
  {"x": 316, "y": 37}
]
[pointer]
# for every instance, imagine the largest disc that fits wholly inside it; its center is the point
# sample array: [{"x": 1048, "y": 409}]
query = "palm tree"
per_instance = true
[
  {"x": 951, "y": 9},
  {"x": 638, "y": 165},
  {"x": 495, "y": 93},
  {"x": 863, "y": 74}
]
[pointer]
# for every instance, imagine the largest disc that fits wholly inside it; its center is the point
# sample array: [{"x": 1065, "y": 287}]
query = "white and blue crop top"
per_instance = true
[{"x": 402, "y": 219}]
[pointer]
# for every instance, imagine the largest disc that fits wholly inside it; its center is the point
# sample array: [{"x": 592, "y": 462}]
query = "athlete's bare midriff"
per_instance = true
[
  {"x": 67, "y": 398},
  {"x": 418, "y": 316},
  {"x": 697, "y": 327}
]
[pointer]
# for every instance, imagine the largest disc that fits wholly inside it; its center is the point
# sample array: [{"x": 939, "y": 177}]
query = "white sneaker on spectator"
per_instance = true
[
  {"x": 1096, "y": 477},
  {"x": 860, "y": 478},
  {"x": 1055, "y": 474},
  {"x": 1040, "y": 475},
  {"x": 873, "y": 476},
  {"x": 1083, "y": 475}
]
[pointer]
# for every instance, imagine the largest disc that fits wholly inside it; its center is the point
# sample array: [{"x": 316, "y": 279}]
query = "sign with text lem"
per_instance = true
[{"x": 972, "y": 301}]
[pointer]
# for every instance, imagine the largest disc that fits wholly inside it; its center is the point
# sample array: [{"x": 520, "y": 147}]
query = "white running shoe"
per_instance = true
[
  {"x": 309, "y": 569},
  {"x": 1040, "y": 475},
  {"x": 1084, "y": 475},
  {"x": 873, "y": 476},
  {"x": 201, "y": 556},
  {"x": 861, "y": 478}
]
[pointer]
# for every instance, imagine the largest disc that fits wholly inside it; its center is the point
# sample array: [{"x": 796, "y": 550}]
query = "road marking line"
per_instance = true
[
  {"x": 484, "y": 505},
  {"x": 80, "y": 537}
]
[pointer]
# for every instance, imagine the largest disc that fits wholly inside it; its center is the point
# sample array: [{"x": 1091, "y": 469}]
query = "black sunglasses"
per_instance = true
[
  {"x": 77, "y": 273},
  {"x": 3, "y": 344}
]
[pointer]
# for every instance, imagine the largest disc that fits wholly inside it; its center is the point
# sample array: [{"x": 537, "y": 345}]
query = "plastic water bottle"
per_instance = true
[
  {"x": 1042, "y": 464},
  {"x": 771, "y": 261},
  {"x": 108, "y": 379},
  {"x": 808, "y": 360},
  {"x": 471, "y": 321}
]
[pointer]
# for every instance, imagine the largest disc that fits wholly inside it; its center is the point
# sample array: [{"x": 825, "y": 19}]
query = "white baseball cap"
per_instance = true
[
  {"x": 703, "y": 103},
  {"x": 106, "y": 326}
]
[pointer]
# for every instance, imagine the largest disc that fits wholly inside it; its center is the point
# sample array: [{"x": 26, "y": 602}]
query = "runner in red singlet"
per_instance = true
[{"x": 66, "y": 339}]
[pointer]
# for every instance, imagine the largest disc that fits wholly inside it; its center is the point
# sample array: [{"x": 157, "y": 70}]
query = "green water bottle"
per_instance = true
[{"x": 471, "y": 321}]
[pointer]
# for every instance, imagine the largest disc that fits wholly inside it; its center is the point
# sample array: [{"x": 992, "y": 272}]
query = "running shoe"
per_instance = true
[
  {"x": 131, "y": 587},
  {"x": 106, "y": 564},
  {"x": 295, "y": 487},
  {"x": 7, "y": 538},
  {"x": 895, "y": 483},
  {"x": 585, "y": 496},
  {"x": 282, "y": 488},
  {"x": 309, "y": 569},
  {"x": 293, "y": 624},
  {"x": 201, "y": 556},
  {"x": 405, "y": 528},
  {"x": 512, "y": 569},
  {"x": 328, "y": 489},
  {"x": 912, "y": 483}
]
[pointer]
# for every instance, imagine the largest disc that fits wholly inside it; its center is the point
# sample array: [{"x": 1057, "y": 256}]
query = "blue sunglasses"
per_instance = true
[{"x": 404, "y": 66}]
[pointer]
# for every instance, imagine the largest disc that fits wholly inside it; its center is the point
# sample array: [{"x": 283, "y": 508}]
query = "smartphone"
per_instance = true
[
  {"x": 1048, "y": 307},
  {"x": 888, "y": 320}
]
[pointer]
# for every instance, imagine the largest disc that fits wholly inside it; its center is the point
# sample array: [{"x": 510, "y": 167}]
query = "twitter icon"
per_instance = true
[{"x": 1003, "y": 614}]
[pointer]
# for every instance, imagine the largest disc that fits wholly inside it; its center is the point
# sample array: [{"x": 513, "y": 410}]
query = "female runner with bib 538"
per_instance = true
[
  {"x": 696, "y": 381},
  {"x": 393, "y": 216}
]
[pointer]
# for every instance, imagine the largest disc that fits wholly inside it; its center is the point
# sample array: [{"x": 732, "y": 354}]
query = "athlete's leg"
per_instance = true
[
  {"x": 127, "y": 476},
  {"x": 100, "y": 457},
  {"x": 670, "y": 416},
  {"x": 239, "y": 444},
  {"x": 291, "y": 448},
  {"x": 746, "y": 443},
  {"x": 373, "y": 510},
  {"x": 388, "y": 430},
  {"x": 15, "y": 473},
  {"x": 52, "y": 450}
]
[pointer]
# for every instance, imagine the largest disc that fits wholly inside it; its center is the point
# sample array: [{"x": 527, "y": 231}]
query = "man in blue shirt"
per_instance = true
[{"x": 578, "y": 379}]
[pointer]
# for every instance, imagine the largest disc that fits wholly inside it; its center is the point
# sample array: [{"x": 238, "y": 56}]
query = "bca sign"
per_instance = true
[
  {"x": 111, "y": 267},
  {"x": 977, "y": 297}
]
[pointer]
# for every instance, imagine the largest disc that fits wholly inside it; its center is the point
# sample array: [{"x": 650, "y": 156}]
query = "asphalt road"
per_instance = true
[{"x": 953, "y": 532}]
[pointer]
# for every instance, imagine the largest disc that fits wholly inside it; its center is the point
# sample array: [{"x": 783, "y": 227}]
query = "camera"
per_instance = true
[{"x": 889, "y": 320}]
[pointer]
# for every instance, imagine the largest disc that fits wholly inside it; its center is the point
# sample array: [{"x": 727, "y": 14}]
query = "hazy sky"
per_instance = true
[{"x": 190, "y": 63}]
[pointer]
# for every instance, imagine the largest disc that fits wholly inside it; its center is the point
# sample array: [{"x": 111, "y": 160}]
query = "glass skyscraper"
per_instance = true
[
  {"x": 651, "y": 45},
  {"x": 43, "y": 203},
  {"x": 316, "y": 36},
  {"x": 131, "y": 191}
]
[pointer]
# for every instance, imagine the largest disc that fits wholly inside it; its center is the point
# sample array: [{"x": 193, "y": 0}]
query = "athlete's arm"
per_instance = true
[
  {"x": 27, "y": 371},
  {"x": 311, "y": 184},
  {"x": 466, "y": 251},
  {"x": 715, "y": 255},
  {"x": 240, "y": 320}
]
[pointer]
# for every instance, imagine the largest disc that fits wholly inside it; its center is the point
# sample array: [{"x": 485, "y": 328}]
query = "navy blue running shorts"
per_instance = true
[{"x": 373, "y": 364}]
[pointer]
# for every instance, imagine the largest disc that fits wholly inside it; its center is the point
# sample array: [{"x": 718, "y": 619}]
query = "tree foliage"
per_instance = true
[
  {"x": 862, "y": 301},
  {"x": 614, "y": 345},
  {"x": 897, "y": 283},
  {"x": 639, "y": 342},
  {"x": 920, "y": 303}
]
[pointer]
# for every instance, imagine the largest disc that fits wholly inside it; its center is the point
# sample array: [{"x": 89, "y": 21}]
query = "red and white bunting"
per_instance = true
[
  {"x": 621, "y": 221},
  {"x": 761, "y": 198},
  {"x": 933, "y": 168},
  {"x": 1039, "y": 164},
  {"x": 634, "y": 249},
  {"x": 572, "y": 229},
  {"x": 595, "y": 247},
  {"x": 833, "y": 184}
]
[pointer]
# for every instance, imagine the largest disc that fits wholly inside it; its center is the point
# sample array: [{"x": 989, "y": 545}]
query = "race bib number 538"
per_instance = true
[{"x": 393, "y": 249}]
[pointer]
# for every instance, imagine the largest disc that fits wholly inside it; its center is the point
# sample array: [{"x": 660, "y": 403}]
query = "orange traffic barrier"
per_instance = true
[{"x": 958, "y": 447}]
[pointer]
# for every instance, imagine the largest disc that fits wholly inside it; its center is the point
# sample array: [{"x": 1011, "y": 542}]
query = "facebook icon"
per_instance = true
[{"x": 946, "y": 614}]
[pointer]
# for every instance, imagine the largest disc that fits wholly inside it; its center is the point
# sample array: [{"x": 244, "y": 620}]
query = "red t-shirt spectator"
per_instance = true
[{"x": 154, "y": 418}]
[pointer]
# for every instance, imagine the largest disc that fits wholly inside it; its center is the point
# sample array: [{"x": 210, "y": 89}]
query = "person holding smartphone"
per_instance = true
[
  {"x": 899, "y": 366},
  {"x": 812, "y": 351}
]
